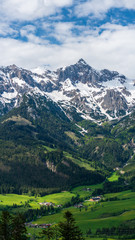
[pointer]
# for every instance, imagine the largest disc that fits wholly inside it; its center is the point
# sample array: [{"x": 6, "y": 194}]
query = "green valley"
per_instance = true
[
  {"x": 50, "y": 164},
  {"x": 113, "y": 210}
]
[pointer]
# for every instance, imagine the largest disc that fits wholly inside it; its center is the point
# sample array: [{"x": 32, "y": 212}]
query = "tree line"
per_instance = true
[{"x": 122, "y": 230}]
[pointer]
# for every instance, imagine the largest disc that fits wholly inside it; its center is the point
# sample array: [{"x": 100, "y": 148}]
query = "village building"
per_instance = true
[
  {"x": 95, "y": 199},
  {"x": 47, "y": 204},
  {"x": 79, "y": 205},
  {"x": 44, "y": 225}
]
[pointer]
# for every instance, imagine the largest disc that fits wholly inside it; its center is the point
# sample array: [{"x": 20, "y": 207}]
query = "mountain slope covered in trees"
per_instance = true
[{"x": 42, "y": 150}]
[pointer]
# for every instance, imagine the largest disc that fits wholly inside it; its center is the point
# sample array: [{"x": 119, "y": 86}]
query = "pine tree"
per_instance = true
[
  {"x": 48, "y": 232},
  {"x": 68, "y": 228},
  {"x": 18, "y": 228},
  {"x": 5, "y": 226}
]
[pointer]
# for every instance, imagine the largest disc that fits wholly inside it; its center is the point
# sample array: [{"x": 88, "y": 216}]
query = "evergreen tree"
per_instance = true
[
  {"x": 18, "y": 228},
  {"x": 5, "y": 226},
  {"x": 48, "y": 233},
  {"x": 68, "y": 228}
]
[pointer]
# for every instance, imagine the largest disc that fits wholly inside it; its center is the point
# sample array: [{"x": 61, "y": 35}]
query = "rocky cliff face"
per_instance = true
[{"x": 77, "y": 89}]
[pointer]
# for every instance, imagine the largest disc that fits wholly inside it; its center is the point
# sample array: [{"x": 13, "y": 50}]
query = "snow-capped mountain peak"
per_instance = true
[
  {"x": 39, "y": 70},
  {"x": 81, "y": 61},
  {"x": 78, "y": 88}
]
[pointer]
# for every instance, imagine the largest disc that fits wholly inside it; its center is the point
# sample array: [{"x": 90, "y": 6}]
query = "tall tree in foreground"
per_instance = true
[
  {"x": 68, "y": 228},
  {"x": 18, "y": 228},
  {"x": 5, "y": 226},
  {"x": 12, "y": 228},
  {"x": 51, "y": 232},
  {"x": 48, "y": 233}
]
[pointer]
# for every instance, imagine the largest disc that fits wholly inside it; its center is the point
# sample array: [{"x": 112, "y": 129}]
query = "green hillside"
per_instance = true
[
  {"x": 32, "y": 140},
  {"x": 42, "y": 151}
]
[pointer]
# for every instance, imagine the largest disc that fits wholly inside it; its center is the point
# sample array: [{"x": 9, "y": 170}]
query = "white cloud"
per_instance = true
[
  {"x": 27, "y": 29},
  {"x": 28, "y": 32},
  {"x": 98, "y": 9},
  {"x": 35, "y": 9},
  {"x": 66, "y": 32},
  {"x": 63, "y": 31},
  {"x": 30, "y": 9},
  {"x": 94, "y": 7},
  {"x": 113, "y": 49},
  {"x": 5, "y": 29},
  {"x": 129, "y": 4}
]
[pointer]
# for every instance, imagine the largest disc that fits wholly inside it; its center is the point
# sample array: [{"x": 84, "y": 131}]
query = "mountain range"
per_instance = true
[{"x": 79, "y": 90}]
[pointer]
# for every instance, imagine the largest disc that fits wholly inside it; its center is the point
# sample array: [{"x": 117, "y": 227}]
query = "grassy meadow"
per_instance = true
[
  {"x": 106, "y": 213},
  {"x": 113, "y": 177},
  {"x": 9, "y": 200},
  {"x": 99, "y": 215},
  {"x": 93, "y": 215}
]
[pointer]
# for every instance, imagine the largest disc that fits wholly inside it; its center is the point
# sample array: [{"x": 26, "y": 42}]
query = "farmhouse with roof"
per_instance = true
[
  {"x": 47, "y": 204},
  {"x": 95, "y": 199}
]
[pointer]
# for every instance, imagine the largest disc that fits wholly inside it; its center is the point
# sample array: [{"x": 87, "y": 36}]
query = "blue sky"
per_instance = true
[{"x": 55, "y": 33}]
